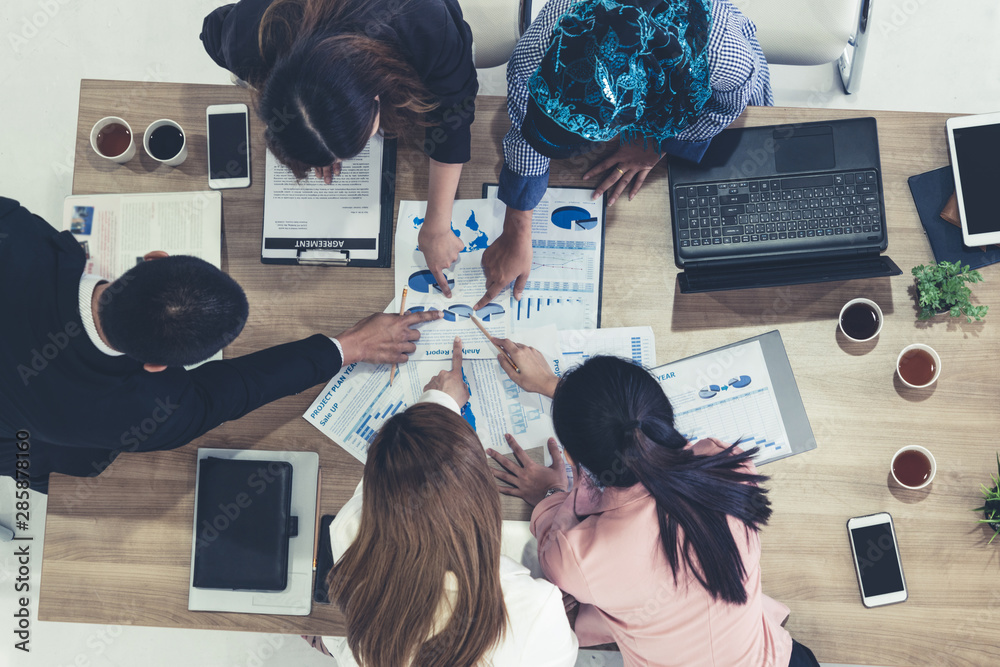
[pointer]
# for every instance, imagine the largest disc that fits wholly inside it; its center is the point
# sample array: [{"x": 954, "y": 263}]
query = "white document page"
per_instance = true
[
  {"x": 566, "y": 244},
  {"x": 636, "y": 344},
  {"x": 475, "y": 222},
  {"x": 352, "y": 408},
  {"x": 115, "y": 231},
  {"x": 727, "y": 395},
  {"x": 324, "y": 220},
  {"x": 354, "y": 405}
]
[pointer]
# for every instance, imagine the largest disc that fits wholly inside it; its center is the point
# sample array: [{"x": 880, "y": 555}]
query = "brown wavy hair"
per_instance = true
[
  {"x": 430, "y": 507},
  {"x": 325, "y": 63}
]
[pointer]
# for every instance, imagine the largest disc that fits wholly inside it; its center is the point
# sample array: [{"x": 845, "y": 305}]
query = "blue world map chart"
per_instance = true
[{"x": 470, "y": 232}]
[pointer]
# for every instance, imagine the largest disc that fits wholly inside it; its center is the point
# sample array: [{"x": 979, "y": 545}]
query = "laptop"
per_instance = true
[{"x": 781, "y": 205}]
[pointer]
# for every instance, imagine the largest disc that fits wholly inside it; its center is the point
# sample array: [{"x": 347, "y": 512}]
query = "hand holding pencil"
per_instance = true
[
  {"x": 526, "y": 366},
  {"x": 493, "y": 341}
]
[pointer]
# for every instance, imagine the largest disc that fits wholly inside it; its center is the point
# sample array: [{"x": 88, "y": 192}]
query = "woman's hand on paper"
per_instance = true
[
  {"x": 383, "y": 338},
  {"x": 441, "y": 248},
  {"x": 529, "y": 480},
  {"x": 451, "y": 382},
  {"x": 535, "y": 374},
  {"x": 630, "y": 164},
  {"x": 327, "y": 173}
]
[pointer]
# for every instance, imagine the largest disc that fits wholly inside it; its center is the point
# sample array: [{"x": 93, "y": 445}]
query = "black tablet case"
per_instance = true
[{"x": 243, "y": 524}]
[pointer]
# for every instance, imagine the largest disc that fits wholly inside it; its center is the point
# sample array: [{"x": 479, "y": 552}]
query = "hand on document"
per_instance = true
[
  {"x": 326, "y": 174},
  {"x": 452, "y": 382},
  {"x": 532, "y": 371},
  {"x": 440, "y": 247},
  {"x": 529, "y": 480},
  {"x": 383, "y": 338},
  {"x": 508, "y": 257}
]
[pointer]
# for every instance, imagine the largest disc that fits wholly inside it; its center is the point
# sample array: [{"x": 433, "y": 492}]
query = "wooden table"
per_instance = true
[{"x": 117, "y": 548}]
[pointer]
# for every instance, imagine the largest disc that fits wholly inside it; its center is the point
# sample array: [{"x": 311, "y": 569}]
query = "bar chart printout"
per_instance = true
[{"x": 727, "y": 395}]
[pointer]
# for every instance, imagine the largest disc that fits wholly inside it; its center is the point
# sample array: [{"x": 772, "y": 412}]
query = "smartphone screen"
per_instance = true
[
  {"x": 878, "y": 560},
  {"x": 228, "y": 153}
]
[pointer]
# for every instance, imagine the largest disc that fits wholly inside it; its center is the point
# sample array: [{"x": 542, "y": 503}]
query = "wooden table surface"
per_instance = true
[{"x": 117, "y": 547}]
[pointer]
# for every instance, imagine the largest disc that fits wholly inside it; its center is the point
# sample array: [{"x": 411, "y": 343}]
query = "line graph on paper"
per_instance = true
[
  {"x": 560, "y": 265},
  {"x": 752, "y": 416}
]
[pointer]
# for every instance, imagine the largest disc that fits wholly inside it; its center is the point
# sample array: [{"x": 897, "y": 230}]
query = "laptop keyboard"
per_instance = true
[{"x": 778, "y": 210}]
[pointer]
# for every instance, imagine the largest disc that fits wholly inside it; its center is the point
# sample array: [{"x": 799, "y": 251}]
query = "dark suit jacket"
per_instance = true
[
  {"x": 430, "y": 34},
  {"x": 81, "y": 407}
]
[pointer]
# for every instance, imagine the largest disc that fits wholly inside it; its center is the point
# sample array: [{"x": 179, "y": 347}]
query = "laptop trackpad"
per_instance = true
[{"x": 803, "y": 149}]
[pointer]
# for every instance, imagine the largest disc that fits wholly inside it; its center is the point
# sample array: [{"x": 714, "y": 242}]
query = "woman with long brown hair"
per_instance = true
[
  {"x": 419, "y": 574},
  {"x": 329, "y": 74}
]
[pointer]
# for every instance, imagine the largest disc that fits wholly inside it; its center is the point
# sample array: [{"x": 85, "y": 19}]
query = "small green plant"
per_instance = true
[
  {"x": 942, "y": 287},
  {"x": 991, "y": 505}
]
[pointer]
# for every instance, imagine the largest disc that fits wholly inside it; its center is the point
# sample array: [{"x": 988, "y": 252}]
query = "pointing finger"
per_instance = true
[
  {"x": 411, "y": 319},
  {"x": 456, "y": 355},
  {"x": 492, "y": 290},
  {"x": 442, "y": 281}
]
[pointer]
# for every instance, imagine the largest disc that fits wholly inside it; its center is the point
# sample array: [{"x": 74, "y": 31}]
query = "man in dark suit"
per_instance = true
[{"x": 89, "y": 368}]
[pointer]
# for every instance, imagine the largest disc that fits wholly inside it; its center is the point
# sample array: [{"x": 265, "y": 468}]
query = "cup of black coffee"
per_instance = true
[
  {"x": 861, "y": 319},
  {"x": 165, "y": 142},
  {"x": 111, "y": 138}
]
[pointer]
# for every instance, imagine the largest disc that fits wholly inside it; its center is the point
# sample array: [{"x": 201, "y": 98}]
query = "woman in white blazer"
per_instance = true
[{"x": 418, "y": 571}]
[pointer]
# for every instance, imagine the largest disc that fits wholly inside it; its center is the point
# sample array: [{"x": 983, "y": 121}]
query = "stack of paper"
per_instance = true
[{"x": 564, "y": 289}]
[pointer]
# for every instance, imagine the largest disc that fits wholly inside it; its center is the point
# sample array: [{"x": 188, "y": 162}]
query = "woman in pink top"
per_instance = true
[{"x": 658, "y": 540}]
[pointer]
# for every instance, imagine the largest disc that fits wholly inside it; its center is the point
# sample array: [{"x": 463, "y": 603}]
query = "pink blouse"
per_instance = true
[{"x": 604, "y": 549}]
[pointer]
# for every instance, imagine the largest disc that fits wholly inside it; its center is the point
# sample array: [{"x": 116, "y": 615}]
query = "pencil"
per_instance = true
[
  {"x": 402, "y": 309},
  {"x": 490, "y": 339}
]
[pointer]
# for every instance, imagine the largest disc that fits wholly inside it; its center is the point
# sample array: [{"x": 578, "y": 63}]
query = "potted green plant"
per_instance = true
[
  {"x": 942, "y": 287},
  {"x": 991, "y": 505}
]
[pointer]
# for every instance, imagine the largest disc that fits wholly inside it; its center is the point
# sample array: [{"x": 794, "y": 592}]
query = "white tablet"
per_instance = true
[{"x": 975, "y": 160}]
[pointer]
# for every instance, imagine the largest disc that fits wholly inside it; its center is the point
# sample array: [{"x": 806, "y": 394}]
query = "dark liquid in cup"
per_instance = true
[
  {"x": 165, "y": 142},
  {"x": 912, "y": 468},
  {"x": 917, "y": 367},
  {"x": 859, "y": 321},
  {"x": 113, "y": 139}
]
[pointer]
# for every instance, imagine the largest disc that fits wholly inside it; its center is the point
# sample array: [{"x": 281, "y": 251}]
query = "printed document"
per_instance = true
[
  {"x": 310, "y": 218},
  {"x": 117, "y": 230},
  {"x": 727, "y": 395}
]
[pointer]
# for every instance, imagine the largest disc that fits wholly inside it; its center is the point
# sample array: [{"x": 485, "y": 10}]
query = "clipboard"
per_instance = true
[
  {"x": 491, "y": 188},
  {"x": 310, "y": 236},
  {"x": 786, "y": 393}
]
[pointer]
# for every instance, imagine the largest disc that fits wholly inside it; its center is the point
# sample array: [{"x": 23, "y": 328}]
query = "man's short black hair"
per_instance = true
[{"x": 172, "y": 311}]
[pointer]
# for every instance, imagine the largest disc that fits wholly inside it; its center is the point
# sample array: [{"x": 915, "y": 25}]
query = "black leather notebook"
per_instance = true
[{"x": 243, "y": 524}]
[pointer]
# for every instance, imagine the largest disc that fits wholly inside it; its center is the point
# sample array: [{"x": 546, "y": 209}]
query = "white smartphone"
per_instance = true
[
  {"x": 876, "y": 559},
  {"x": 974, "y": 142},
  {"x": 228, "y": 146}
]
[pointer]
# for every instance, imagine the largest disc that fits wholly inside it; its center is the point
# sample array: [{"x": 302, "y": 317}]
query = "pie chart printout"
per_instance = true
[
  {"x": 423, "y": 282},
  {"x": 573, "y": 218}
]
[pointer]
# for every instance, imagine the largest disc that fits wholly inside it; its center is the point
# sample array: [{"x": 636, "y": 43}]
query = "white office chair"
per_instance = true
[
  {"x": 813, "y": 32},
  {"x": 496, "y": 27}
]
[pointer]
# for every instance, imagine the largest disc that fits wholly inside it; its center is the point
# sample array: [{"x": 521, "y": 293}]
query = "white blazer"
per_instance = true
[{"x": 538, "y": 633}]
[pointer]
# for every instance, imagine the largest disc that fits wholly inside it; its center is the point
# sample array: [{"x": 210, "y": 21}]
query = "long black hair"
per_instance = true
[
  {"x": 325, "y": 63},
  {"x": 613, "y": 418}
]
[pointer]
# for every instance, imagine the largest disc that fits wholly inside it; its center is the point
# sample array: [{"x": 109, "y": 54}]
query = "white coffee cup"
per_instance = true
[
  {"x": 124, "y": 156},
  {"x": 878, "y": 316},
  {"x": 179, "y": 157},
  {"x": 934, "y": 356},
  {"x": 914, "y": 448}
]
